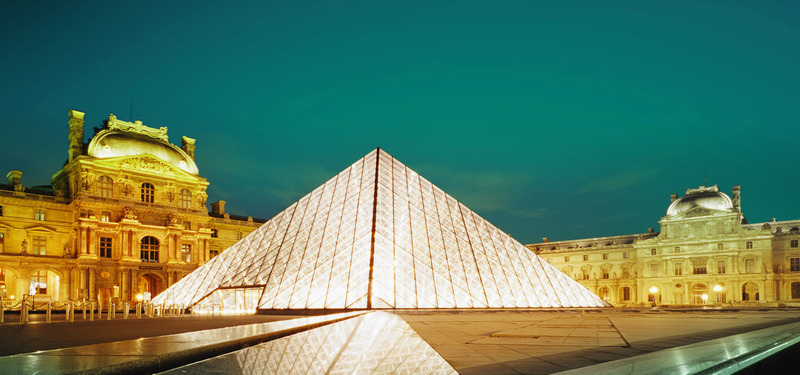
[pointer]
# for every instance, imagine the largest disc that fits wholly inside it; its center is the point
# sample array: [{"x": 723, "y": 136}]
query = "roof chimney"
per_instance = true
[
  {"x": 673, "y": 198},
  {"x": 218, "y": 207},
  {"x": 75, "y": 133},
  {"x": 737, "y": 198},
  {"x": 545, "y": 239},
  {"x": 187, "y": 144}
]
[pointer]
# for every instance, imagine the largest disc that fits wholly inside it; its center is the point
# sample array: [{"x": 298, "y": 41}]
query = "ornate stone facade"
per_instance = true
[
  {"x": 705, "y": 254},
  {"x": 124, "y": 218}
]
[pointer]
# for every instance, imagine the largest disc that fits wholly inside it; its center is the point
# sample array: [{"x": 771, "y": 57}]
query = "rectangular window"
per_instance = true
[
  {"x": 793, "y": 243},
  {"x": 795, "y": 290},
  {"x": 720, "y": 246},
  {"x": 748, "y": 245},
  {"x": 187, "y": 225},
  {"x": 212, "y": 253},
  {"x": 105, "y": 216},
  {"x": 654, "y": 270},
  {"x": 105, "y": 247},
  {"x": 1, "y": 210},
  {"x": 39, "y": 281},
  {"x": 605, "y": 274},
  {"x": 238, "y": 235},
  {"x": 605, "y": 255},
  {"x": 653, "y": 251},
  {"x": 38, "y": 214},
  {"x": 585, "y": 274},
  {"x": 585, "y": 257},
  {"x": 678, "y": 269},
  {"x": 677, "y": 249},
  {"x": 624, "y": 255},
  {"x": 626, "y": 294},
  {"x": 2, "y": 242},
  {"x": 39, "y": 245},
  {"x": 566, "y": 259},
  {"x": 749, "y": 265},
  {"x": 186, "y": 253},
  {"x": 721, "y": 266},
  {"x": 699, "y": 267},
  {"x": 214, "y": 233},
  {"x": 626, "y": 272},
  {"x": 794, "y": 264}
]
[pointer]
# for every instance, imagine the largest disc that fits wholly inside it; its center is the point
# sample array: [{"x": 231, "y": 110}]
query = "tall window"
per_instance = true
[
  {"x": 1, "y": 210},
  {"x": 185, "y": 198},
  {"x": 748, "y": 245},
  {"x": 39, "y": 245},
  {"x": 605, "y": 255},
  {"x": 792, "y": 244},
  {"x": 678, "y": 269},
  {"x": 626, "y": 293},
  {"x": 794, "y": 264},
  {"x": 654, "y": 270},
  {"x": 795, "y": 290},
  {"x": 38, "y": 214},
  {"x": 149, "y": 249},
  {"x": 105, "y": 216},
  {"x": 677, "y": 249},
  {"x": 186, "y": 253},
  {"x": 39, "y": 282},
  {"x": 605, "y": 273},
  {"x": 2, "y": 242},
  {"x": 626, "y": 272},
  {"x": 212, "y": 253},
  {"x": 624, "y": 255},
  {"x": 238, "y": 235},
  {"x": 585, "y": 257},
  {"x": 148, "y": 192},
  {"x": 749, "y": 265},
  {"x": 187, "y": 225},
  {"x": 566, "y": 259},
  {"x": 106, "y": 186},
  {"x": 721, "y": 266},
  {"x": 105, "y": 247},
  {"x": 653, "y": 251},
  {"x": 585, "y": 274},
  {"x": 214, "y": 233},
  {"x": 720, "y": 246},
  {"x": 699, "y": 267}
]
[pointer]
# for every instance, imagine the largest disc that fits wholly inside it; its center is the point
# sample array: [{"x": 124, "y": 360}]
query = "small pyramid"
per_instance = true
[{"x": 378, "y": 235}]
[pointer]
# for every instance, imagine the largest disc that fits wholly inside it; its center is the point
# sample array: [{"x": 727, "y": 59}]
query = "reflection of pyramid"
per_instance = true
[{"x": 378, "y": 235}]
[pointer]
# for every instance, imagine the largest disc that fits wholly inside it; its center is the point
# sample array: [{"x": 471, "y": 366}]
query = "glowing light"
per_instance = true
[
  {"x": 653, "y": 289},
  {"x": 704, "y": 297},
  {"x": 717, "y": 288},
  {"x": 377, "y": 235},
  {"x": 139, "y": 297}
]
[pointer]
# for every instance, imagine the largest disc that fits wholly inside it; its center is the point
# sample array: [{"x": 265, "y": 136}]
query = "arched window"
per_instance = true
[
  {"x": 186, "y": 198},
  {"x": 39, "y": 282},
  {"x": 148, "y": 192},
  {"x": 106, "y": 186},
  {"x": 149, "y": 249}
]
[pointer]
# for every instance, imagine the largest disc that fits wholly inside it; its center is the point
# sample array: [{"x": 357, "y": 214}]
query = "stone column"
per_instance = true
[
  {"x": 74, "y": 283},
  {"x": 124, "y": 284},
  {"x": 92, "y": 284}
]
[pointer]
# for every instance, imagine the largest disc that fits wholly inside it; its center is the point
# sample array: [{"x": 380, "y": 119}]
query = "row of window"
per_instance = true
[{"x": 147, "y": 192}]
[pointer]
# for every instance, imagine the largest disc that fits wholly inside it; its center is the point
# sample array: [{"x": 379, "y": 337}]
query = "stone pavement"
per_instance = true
[
  {"x": 542, "y": 342},
  {"x": 486, "y": 341}
]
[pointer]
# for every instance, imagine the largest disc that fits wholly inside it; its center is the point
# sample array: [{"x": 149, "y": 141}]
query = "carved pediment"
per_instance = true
[
  {"x": 148, "y": 163},
  {"x": 698, "y": 211}
]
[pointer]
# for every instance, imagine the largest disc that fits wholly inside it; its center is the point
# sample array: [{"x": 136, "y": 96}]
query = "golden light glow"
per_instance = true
[
  {"x": 717, "y": 288},
  {"x": 653, "y": 289},
  {"x": 139, "y": 297},
  {"x": 377, "y": 235}
]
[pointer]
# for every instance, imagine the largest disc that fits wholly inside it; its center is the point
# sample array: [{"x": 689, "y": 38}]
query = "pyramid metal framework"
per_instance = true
[{"x": 377, "y": 235}]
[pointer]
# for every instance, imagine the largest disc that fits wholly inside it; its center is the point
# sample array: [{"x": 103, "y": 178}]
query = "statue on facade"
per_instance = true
[
  {"x": 67, "y": 251},
  {"x": 172, "y": 219},
  {"x": 129, "y": 214},
  {"x": 24, "y": 247},
  {"x": 201, "y": 198}
]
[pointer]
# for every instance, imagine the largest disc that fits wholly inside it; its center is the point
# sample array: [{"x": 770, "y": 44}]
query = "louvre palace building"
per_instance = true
[
  {"x": 122, "y": 220},
  {"x": 705, "y": 254}
]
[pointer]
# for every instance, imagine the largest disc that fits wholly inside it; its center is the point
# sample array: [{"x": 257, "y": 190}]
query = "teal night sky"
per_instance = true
[{"x": 560, "y": 119}]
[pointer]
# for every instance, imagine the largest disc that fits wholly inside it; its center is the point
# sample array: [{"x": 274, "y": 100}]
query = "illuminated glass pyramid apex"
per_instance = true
[{"x": 377, "y": 235}]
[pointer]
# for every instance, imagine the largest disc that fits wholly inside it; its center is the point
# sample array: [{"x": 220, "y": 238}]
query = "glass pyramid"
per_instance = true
[{"x": 377, "y": 235}]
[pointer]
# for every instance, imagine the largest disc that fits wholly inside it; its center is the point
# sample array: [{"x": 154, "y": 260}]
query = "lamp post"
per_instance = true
[
  {"x": 653, "y": 291},
  {"x": 718, "y": 288}
]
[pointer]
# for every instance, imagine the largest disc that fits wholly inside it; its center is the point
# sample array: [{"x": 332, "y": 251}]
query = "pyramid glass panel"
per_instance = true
[{"x": 378, "y": 235}]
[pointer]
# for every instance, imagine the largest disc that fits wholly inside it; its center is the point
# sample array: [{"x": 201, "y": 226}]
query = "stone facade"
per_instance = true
[
  {"x": 705, "y": 254},
  {"x": 123, "y": 219}
]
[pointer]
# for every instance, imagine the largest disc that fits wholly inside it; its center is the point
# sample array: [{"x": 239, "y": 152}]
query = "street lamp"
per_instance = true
[
  {"x": 717, "y": 288},
  {"x": 653, "y": 291}
]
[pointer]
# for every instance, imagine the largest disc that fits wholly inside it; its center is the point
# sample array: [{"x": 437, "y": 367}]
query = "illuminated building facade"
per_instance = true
[
  {"x": 377, "y": 236},
  {"x": 706, "y": 253},
  {"x": 125, "y": 216}
]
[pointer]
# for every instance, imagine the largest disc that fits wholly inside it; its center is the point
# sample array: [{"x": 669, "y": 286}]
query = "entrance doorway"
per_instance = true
[
  {"x": 149, "y": 286},
  {"x": 750, "y": 292}
]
